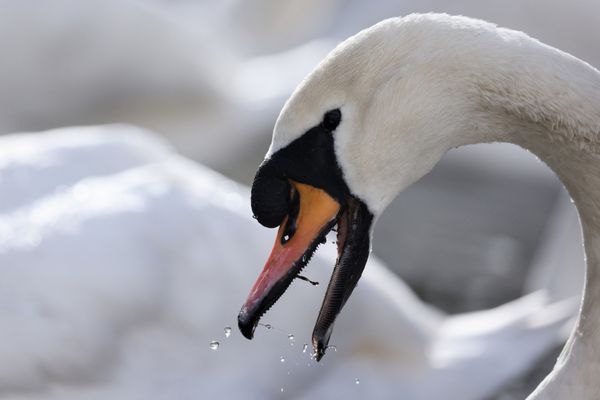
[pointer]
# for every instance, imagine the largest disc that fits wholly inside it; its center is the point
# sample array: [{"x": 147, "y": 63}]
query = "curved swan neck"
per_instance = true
[
  {"x": 551, "y": 106},
  {"x": 536, "y": 88},
  {"x": 577, "y": 369},
  {"x": 498, "y": 85}
]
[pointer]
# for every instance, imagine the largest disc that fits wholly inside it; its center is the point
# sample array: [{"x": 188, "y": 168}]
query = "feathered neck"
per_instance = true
[
  {"x": 503, "y": 85},
  {"x": 548, "y": 102}
]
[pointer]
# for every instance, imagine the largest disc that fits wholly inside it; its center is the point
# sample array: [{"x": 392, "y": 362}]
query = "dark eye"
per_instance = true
[{"x": 332, "y": 119}]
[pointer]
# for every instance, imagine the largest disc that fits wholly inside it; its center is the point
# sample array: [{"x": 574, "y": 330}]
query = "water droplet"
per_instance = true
[
  {"x": 281, "y": 390},
  {"x": 357, "y": 381},
  {"x": 304, "y": 348},
  {"x": 254, "y": 216},
  {"x": 286, "y": 237},
  {"x": 267, "y": 326},
  {"x": 227, "y": 331},
  {"x": 282, "y": 359},
  {"x": 303, "y": 259},
  {"x": 332, "y": 348},
  {"x": 214, "y": 345},
  {"x": 291, "y": 339}
]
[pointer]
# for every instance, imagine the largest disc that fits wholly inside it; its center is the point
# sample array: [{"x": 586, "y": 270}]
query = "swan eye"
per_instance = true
[{"x": 332, "y": 119}]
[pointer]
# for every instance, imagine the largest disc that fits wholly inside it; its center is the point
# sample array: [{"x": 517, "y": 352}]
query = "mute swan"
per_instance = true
[
  {"x": 381, "y": 110},
  {"x": 114, "y": 251}
]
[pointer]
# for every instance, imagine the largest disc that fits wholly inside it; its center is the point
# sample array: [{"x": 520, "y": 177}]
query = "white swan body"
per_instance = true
[{"x": 409, "y": 89}]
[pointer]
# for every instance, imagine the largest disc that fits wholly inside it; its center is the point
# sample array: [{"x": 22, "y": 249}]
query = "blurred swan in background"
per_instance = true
[
  {"x": 113, "y": 61},
  {"x": 121, "y": 262}
]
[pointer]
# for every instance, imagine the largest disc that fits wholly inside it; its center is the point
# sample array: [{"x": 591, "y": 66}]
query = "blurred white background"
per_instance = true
[{"x": 137, "y": 259}]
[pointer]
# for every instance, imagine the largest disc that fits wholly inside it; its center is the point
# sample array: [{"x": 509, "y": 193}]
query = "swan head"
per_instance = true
[{"x": 371, "y": 119}]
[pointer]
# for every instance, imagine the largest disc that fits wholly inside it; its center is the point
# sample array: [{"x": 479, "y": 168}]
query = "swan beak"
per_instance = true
[
  {"x": 312, "y": 214},
  {"x": 354, "y": 246}
]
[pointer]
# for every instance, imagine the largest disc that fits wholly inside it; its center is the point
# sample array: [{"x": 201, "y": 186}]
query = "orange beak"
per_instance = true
[{"x": 313, "y": 213}]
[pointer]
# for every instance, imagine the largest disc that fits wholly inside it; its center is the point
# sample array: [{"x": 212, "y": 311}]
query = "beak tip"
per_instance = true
[
  {"x": 246, "y": 324},
  {"x": 319, "y": 346}
]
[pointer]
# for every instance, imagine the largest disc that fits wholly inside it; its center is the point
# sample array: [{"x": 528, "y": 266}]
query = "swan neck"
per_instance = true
[
  {"x": 575, "y": 374},
  {"x": 560, "y": 123},
  {"x": 545, "y": 100}
]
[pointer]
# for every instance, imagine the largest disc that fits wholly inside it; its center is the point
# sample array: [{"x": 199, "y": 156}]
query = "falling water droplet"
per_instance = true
[
  {"x": 357, "y": 381},
  {"x": 267, "y": 326},
  {"x": 282, "y": 359},
  {"x": 227, "y": 331},
  {"x": 332, "y": 348},
  {"x": 281, "y": 390},
  {"x": 214, "y": 345},
  {"x": 304, "y": 348},
  {"x": 291, "y": 339}
]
